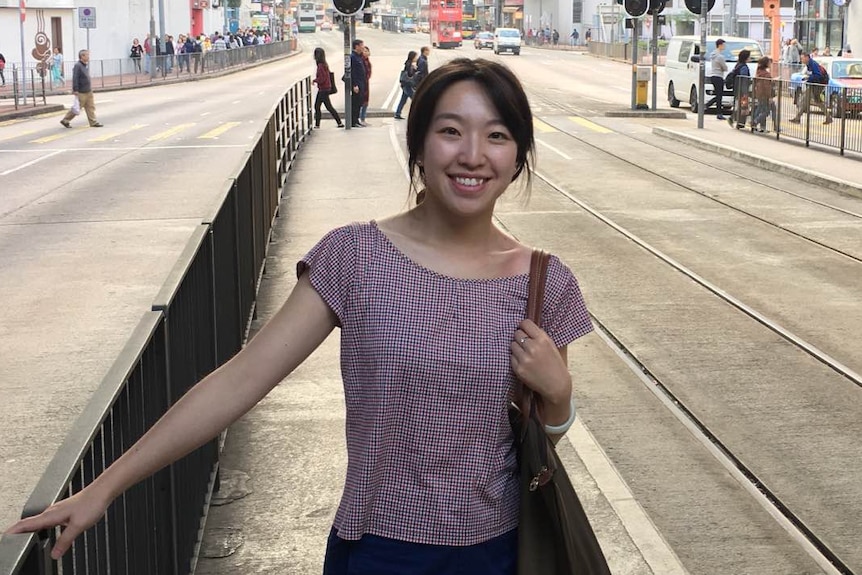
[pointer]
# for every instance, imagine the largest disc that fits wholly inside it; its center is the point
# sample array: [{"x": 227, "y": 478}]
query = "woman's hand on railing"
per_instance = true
[{"x": 75, "y": 515}]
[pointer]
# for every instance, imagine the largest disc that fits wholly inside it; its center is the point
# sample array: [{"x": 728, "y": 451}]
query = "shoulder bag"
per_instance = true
[
  {"x": 554, "y": 533},
  {"x": 333, "y": 87}
]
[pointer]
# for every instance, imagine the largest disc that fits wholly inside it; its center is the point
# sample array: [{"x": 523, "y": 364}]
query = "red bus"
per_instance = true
[{"x": 444, "y": 20}]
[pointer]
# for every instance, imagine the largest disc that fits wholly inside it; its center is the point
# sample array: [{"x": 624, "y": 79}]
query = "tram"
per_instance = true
[{"x": 444, "y": 21}]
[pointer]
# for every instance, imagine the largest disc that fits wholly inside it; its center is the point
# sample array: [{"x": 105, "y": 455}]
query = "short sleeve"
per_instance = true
[
  {"x": 330, "y": 266},
  {"x": 564, "y": 313}
]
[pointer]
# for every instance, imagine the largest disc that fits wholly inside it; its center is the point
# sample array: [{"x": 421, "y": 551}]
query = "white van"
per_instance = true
[
  {"x": 507, "y": 40},
  {"x": 682, "y": 67}
]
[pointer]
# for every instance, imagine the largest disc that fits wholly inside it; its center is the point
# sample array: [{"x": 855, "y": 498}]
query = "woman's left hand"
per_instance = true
[{"x": 537, "y": 362}]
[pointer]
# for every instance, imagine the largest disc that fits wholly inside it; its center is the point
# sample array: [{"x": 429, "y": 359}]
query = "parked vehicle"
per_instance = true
[
  {"x": 682, "y": 67},
  {"x": 507, "y": 40},
  {"x": 843, "y": 93},
  {"x": 483, "y": 40},
  {"x": 326, "y": 26}
]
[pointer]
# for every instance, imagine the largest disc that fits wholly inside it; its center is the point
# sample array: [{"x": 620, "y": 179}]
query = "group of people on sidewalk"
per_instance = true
[
  {"x": 414, "y": 71},
  {"x": 762, "y": 88}
]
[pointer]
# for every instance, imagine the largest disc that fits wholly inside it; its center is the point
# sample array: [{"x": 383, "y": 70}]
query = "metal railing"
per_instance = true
[
  {"x": 812, "y": 113},
  {"x": 44, "y": 81},
  {"x": 199, "y": 319}
]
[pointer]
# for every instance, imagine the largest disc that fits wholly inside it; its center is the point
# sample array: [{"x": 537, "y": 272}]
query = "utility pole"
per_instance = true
[
  {"x": 22, "y": 14},
  {"x": 152, "y": 53},
  {"x": 701, "y": 90}
]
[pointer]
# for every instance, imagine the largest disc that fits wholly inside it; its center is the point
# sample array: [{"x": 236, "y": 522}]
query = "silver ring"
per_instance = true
[{"x": 522, "y": 340}]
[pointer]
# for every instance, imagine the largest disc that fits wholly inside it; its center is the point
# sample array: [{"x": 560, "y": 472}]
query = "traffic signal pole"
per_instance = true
[
  {"x": 655, "y": 25},
  {"x": 701, "y": 89},
  {"x": 635, "y": 29},
  {"x": 348, "y": 80}
]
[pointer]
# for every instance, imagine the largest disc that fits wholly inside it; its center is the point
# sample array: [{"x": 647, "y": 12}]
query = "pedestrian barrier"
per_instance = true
[
  {"x": 790, "y": 106},
  {"x": 199, "y": 319},
  {"x": 42, "y": 81}
]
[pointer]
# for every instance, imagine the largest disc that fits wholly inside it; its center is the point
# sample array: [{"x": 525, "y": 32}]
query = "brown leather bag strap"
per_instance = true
[{"x": 536, "y": 296}]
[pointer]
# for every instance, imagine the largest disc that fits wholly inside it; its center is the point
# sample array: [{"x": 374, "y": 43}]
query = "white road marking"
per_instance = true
[
  {"x": 31, "y": 162},
  {"x": 553, "y": 149},
  {"x": 126, "y": 148},
  {"x": 390, "y": 99}
]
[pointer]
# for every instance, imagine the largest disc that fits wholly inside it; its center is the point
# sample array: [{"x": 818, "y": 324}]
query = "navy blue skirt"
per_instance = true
[{"x": 373, "y": 555}]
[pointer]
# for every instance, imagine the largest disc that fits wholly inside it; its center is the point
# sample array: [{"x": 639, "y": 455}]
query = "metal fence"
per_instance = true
[
  {"x": 42, "y": 81},
  {"x": 199, "y": 319},
  {"x": 815, "y": 114}
]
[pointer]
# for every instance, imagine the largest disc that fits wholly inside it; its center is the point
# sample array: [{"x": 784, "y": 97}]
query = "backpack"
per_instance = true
[
  {"x": 730, "y": 79},
  {"x": 823, "y": 74}
]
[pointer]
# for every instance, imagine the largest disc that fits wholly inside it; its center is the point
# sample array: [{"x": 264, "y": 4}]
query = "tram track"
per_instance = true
[
  {"x": 816, "y": 547},
  {"x": 678, "y": 182}
]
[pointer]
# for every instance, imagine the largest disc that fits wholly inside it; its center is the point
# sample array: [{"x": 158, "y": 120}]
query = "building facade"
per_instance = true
[{"x": 50, "y": 23}]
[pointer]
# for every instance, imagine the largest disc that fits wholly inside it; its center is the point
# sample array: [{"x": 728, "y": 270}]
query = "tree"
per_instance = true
[{"x": 234, "y": 3}]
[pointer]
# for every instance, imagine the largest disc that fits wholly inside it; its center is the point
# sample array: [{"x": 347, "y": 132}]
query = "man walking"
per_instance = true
[
  {"x": 816, "y": 80},
  {"x": 421, "y": 67},
  {"x": 359, "y": 80},
  {"x": 718, "y": 69},
  {"x": 83, "y": 89}
]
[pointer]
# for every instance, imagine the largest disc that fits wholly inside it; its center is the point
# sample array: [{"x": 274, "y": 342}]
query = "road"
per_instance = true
[{"x": 731, "y": 291}]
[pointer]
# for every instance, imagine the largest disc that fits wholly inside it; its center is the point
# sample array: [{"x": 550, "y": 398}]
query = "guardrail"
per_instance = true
[
  {"x": 811, "y": 104},
  {"x": 198, "y": 320},
  {"x": 42, "y": 81}
]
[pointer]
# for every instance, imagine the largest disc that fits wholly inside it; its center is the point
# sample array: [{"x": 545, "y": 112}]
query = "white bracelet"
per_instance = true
[{"x": 563, "y": 427}]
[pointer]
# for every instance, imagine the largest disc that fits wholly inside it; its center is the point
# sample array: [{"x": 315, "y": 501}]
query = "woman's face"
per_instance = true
[{"x": 469, "y": 156}]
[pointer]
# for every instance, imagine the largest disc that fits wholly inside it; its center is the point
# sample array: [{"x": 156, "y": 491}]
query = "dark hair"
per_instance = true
[
  {"x": 357, "y": 42},
  {"x": 763, "y": 63},
  {"x": 319, "y": 56},
  {"x": 502, "y": 88},
  {"x": 720, "y": 41},
  {"x": 411, "y": 55},
  {"x": 743, "y": 57}
]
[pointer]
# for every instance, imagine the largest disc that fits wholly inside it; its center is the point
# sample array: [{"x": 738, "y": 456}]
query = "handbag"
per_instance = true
[
  {"x": 76, "y": 106},
  {"x": 554, "y": 533},
  {"x": 333, "y": 87}
]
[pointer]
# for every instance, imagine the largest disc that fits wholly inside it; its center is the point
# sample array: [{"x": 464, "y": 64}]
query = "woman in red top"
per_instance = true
[{"x": 324, "y": 89}]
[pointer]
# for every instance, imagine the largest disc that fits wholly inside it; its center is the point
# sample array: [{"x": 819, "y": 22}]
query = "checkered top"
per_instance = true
[{"x": 425, "y": 364}]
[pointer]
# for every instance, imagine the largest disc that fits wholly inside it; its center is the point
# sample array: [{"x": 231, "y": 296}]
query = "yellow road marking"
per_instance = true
[
  {"x": 591, "y": 125},
  {"x": 18, "y": 135},
  {"x": 54, "y": 137},
  {"x": 168, "y": 133},
  {"x": 10, "y": 122},
  {"x": 216, "y": 132},
  {"x": 113, "y": 135},
  {"x": 542, "y": 126}
]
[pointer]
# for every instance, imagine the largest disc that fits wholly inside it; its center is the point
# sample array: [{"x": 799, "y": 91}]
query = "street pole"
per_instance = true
[
  {"x": 21, "y": 15},
  {"x": 635, "y": 22},
  {"x": 348, "y": 80},
  {"x": 152, "y": 40},
  {"x": 701, "y": 76},
  {"x": 655, "y": 19},
  {"x": 162, "y": 33}
]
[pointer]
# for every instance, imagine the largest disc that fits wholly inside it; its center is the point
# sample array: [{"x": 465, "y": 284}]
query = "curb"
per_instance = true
[
  {"x": 818, "y": 179},
  {"x": 30, "y": 111},
  {"x": 670, "y": 114}
]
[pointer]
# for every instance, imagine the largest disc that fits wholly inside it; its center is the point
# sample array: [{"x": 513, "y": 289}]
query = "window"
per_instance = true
[
  {"x": 684, "y": 51},
  {"x": 577, "y": 11},
  {"x": 742, "y": 29}
]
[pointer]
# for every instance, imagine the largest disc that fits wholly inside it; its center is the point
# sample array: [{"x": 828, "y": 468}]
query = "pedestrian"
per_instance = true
[
  {"x": 588, "y": 36},
  {"x": 717, "y": 71},
  {"x": 82, "y": 88},
  {"x": 556, "y": 37},
  {"x": 324, "y": 88},
  {"x": 2, "y": 70},
  {"x": 135, "y": 54},
  {"x": 169, "y": 54},
  {"x": 359, "y": 81},
  {"x": 197, "y": 54},
  {"x": 815, "y": 81},
  {"x": 188, "y": 50},
  {"x": 764, "y": 95},
  {"x": 430, "y": 303},
  {"x": 57, "y": 76},
  {"x": 148, "y": 53},
  {"x": 366, "y": 60},
  {"x": 405, "y": 78},
  {"x": 575, "y": 36},
  {"x": 421, "y": 67},
  {"x": 740, "y": 81}
]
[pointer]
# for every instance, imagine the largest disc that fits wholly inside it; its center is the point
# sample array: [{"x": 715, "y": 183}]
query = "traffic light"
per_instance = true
[
  {"x": 694, "y": 6},
  {"x": 352, "y": 7},
  {"x": 636, "y": 8},
  {"x": 655, "y": 7}
]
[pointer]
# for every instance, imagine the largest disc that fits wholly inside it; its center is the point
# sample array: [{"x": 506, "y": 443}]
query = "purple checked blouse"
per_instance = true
[{"x": 425, "y": 364}]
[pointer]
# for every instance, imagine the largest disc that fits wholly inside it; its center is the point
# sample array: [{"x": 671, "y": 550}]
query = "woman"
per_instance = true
[
  {"x": 136, "y": 53},
  {"x": 742, "y": 87},
  {"x": 764, "y": 103},
  {"x": 57, "y": 78},
  {"x": 430, "y": 303},
  {"x": 406, "y": 80},
  {"x": 324, "y": 88},
  {"x": 363, "y": 110}
]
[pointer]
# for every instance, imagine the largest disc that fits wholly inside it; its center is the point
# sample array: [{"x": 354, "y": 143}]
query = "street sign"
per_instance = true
[
  {"x": 86, "y": 18},
  {"x": 22, "y": 8}
]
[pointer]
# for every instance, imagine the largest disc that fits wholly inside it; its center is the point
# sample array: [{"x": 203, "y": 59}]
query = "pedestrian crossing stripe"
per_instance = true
[
  {"x": 590, "y": 125},
  {"x": 17, "y": 135},
  {"x": 541, "y": 126},
  {"x": 171, "y": 132},
  {"x": 216, "y": 132},
  {"x": 112, "y": 135},
  {"x": 54, "y": 137}
]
